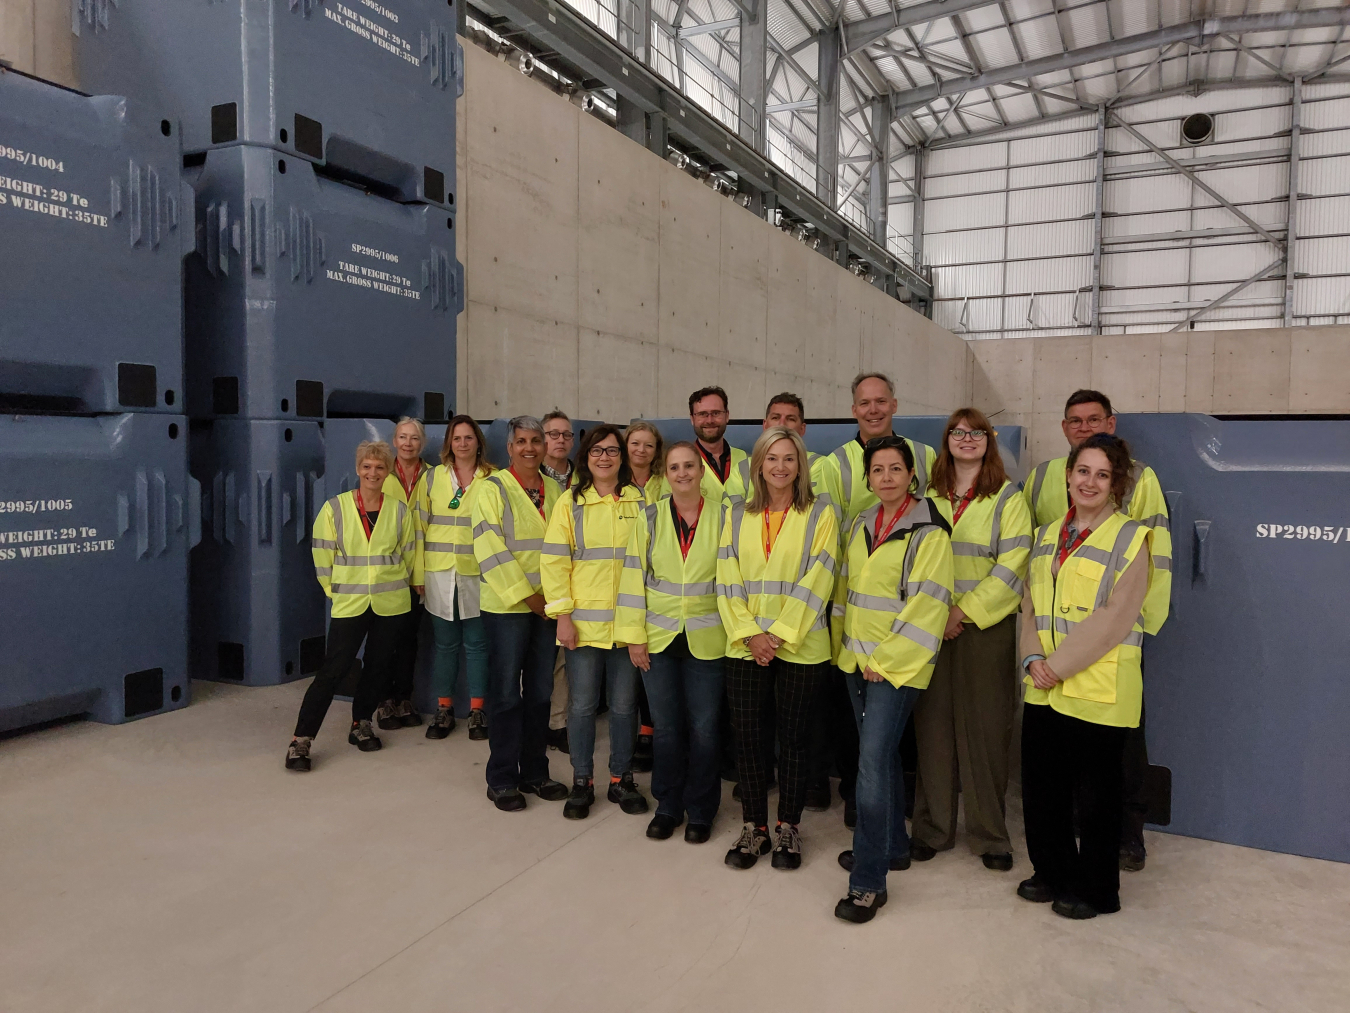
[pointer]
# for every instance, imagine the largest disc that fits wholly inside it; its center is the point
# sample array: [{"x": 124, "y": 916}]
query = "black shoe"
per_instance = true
[
  {"x": 548, "y": 789},
  {"x": 697, "y": 833},
  {"x": 1070, "y": 906},
  {"x": 508, "y": 800},
  {"x": 663, "y": 827},
  {"x": 787, "y": 849},
  {"x": 579, "y": 801},
  {"x": 478, "y": 725},
  {"x": 895, "y": 864},
  {"x": 297, "y": 754},
  {"x": 386, "y": 716},
  {"x": 407, "y": 717},
  {"x": 557, "y": 739},
  {"x": 921, "y": 852},
  {"x": 1035, "y": 890},
  {"x": 729, "y": 774},
  {"x": 850, "y": 813},
  {"x": 818, "y": 799},
  {"x": 642, "y": 755},
  {"x": 442, "y": 724},
  {"x": 999, "y": 863},
  {"x": 860, "y": 906},
  {"x": 363, "y": 737},
  {"x": 626, "y": 794},
  {"x": 753, "y": 842},
  {"x": 1132, "y": 859}
]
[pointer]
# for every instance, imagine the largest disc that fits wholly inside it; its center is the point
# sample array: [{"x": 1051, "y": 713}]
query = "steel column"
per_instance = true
[
  {"x": 920, "y": 166},
  {"x": 828, "y": 49},
  {"x": 1291, "y": 230},
  {"x": 878, "y": 186},
  {"x": 754, "y": 87},
  {"x": 1097, "y": 195}
]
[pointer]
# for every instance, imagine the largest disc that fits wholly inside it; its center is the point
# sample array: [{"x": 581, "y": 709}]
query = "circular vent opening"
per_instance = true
[{"x": 1197, "y": 128}]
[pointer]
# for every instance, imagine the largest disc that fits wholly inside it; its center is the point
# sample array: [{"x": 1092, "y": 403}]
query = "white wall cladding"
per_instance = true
[{"x": 1008, "y": 218}]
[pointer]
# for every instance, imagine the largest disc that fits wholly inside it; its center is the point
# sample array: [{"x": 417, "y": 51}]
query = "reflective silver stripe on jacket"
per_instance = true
[
  {"x": 681, "y": 590},
  {"x": 875, "y": 602},
  {"x": 1135, "y": 638},
  {"x": 743, "y": 469},
  {"x": 454, "y": 547},
  {"x": 341, "y": 558},
  {"x": 322, "y": 543},
  {"x": 1116, "y": 561},
  {"x": 919, "y": 636},
  {"x": 509, "y": 522},
  {"x": 1157, "y": 521},
  {"x": 390, "y": 585},
  {"x": 1037, "y": 481},
  {"x": 593, "y": 615},
  {"x": 931, "y": 588},
  {"x": 450, "y": 520}
]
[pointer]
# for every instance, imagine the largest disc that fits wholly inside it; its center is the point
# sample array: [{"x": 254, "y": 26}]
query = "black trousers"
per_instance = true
[
  {"x": 1055, "y": 749},
  {"x": 768, "y": 737},
  {"x": 796, "y": 690},
  {"x": 1135, "y": 774},
  {"x": 400, "y": 685},
  {"x": 834, "y": 737},
  {"x": 381, "y": 634}
]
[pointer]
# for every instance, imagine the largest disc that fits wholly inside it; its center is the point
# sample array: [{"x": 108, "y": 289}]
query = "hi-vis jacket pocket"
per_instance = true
[{"x": 1096, "y": 683}]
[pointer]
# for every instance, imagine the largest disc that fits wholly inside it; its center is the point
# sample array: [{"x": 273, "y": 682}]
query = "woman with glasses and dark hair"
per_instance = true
[
  {"x": 581, "y": 564},
  {"x": 447, "y": 574},
  {"x": 963, "y": 723},
  {"x": 894, "y": 590},
  {"x": 775, "y": 577},
  {"x": 1081, "y": 640}
]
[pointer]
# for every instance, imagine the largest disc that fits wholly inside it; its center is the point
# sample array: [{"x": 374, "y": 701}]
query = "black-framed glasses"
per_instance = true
[
  {"x": 604, "y": 451},
  {"x": 559, "y": 434},
  {"x": 974, "y": 434},
  {"x": 885, "y": 442}
]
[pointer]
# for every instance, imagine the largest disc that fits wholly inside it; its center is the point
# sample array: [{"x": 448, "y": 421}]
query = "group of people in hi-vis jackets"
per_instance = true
[{"x": 776, "y": 617}]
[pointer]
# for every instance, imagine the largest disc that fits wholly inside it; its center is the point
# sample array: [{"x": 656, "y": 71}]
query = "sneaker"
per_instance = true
[
  {"x": 895, "y": 864},
  {"x": 363, "y": 737},
  {"x": 477, "y": 724},
  {"x": 386, "y": 716},
  {"x": 860, "y": 906},
  {"x": 625, "y": 792},
  {"x": 753, "y": 842},
  {"x": 642, "y": 755},
  {"x": 1132, "y": 858},
  {"x": 297, "y": 756},
  {"x": 407, "y": 717},
  {"x": 581, "y": 799},
  {"x": 442, "y": 724},
  {"x": 557, "y": 739},
  {"x": 787, "y": 849},
  {"x": 508, "y": 800},
  {"x": 547, "y": 789},
  {"x": 818, "y": 798}
]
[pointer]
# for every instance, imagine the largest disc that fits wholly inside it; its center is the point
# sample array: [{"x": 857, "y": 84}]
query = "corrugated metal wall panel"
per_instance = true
[
  {"x": 963, "y": 247},
  {"x": 1132, "y": 270},
  {"x": 1050, "y": 238},
  {"x": 960, "y": 282},
  {"x": 967, "y": 158},
  {"x": 1049, "y": 203},
  {"x": 1325, "y": 175},
  {"x": 1323, "y": 296},
  {"x": 1061, "y": 274},
  {"x": 963, "y": 183},
  {"x": 1156, "y": 193},
  {"x": 961, "y": 212}
]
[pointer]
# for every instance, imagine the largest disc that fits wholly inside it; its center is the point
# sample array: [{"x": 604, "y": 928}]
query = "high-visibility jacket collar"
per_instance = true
[{"x": 923, "y": 514}]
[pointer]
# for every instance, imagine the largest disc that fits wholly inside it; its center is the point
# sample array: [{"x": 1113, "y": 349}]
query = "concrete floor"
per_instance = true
[{"x": 172, "y": 864}]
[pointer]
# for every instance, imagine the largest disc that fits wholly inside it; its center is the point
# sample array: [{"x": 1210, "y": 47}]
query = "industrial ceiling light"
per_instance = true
[
  {"x": 526, "y": 64},
  {"x": 678, "y": 159},
  {"x": 743, "y": 199},
  {"x": 1197, "y": 128}
]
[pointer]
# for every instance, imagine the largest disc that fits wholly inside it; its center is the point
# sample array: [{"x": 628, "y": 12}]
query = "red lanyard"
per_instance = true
[
  {"x": 1065, "y": 549},
  {"x": 881, "y": 533},
  {"x": 407, "y": 486},
  {"x": 361, "y": 512},
  {"x": 960, "y": 507},
  {"x": 769, "y": 533},
  {"x": 685, "y": 531},
  {"x": 539, "y": 504}
]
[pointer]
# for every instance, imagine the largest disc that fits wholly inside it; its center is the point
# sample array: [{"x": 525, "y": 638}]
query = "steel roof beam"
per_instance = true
[
  {"x": 858, "y": 34},
  {"x": 1196, "y": 32}
]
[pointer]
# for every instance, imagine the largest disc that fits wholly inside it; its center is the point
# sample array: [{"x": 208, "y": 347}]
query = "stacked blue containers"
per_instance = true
[
  {"x": 97, "y": 512},
  {"x": 321, "y": 283}
]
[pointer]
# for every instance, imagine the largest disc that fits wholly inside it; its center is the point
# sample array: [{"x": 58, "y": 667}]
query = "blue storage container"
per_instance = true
[
  {"x": 257, "y": 609},
  {"x": 1246, "y": 694},
  {"x": 308, "y": 298},
  {"x": 96, "y": 518},
  {"x": 365, "y": 89},
  {"x": 90, "y": 266}
]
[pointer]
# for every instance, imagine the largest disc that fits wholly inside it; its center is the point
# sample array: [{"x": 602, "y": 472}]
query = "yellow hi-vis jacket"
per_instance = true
[
  {"x": 991, "y": 546},
  {"x": 582, "y": 560},
  {"x": 1111, "y": 690},
  {"x": 842, "y": 481},
  {"x": 894, "y": 601},
  {"x": 393, "y": 487},
  {"x": 444, "y": 534},
  {"x": 738, "y": 478},
  {"x": 1047, "y": 492},
  {"x": 663, "y": 592},
  {"x": 358, "y": 572},
  {"x": 788, "y": 592},
  {"x": 508, "y": 533}
]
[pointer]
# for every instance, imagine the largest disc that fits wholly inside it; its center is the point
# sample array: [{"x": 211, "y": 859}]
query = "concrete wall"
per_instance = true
[
  {"x": 1240, "y": 372},
  {"x": 604, "y": 281},
  {"x": 35, "y": 38}
]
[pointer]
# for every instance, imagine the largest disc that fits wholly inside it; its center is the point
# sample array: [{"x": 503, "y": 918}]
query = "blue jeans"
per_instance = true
[
  {"x": 445, "y": 663},
  {"x": 587, "y": 667},
  {"x": 685, "y": 695},
  {"x": 521, "y": 649},
  {"x": 881, "y": 711}
]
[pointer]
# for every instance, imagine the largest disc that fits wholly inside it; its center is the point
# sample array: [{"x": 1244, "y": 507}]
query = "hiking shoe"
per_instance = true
[
  {"x": 363, "y": 737},
  {"x": 581, "y": 799},
  {"x": 508, "y": 800},
  {"x": 477, "y": 724},
  {"x": 895, "y": 864},
  {"x": 547, "y": 789},
  {"x": 625, "y": 792},
  {"x": 557, "y": 739},
  {"x": 860, "y": 906},
  {"x": 407, "y": 717},
  {"x": 386, "y": 716},
  {"x": 787, "y": 849},
  {"x": 753, "y": 842},
  {"x": 442, "y": 724},
  {"x": 297, "y": 756}
]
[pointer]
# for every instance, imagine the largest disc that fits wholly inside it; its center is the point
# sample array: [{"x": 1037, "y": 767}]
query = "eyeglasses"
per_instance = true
[
  {"x": 559, "y": 434},
  {"x": 709, "y": 416},
  {"x": 604, "y": 452},
  {"x": 1091, "y": 423},
  {"x": 885, "y": 442},
  {"x": 974, "y": 434}
]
